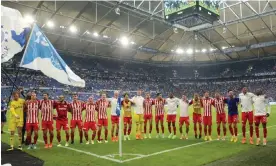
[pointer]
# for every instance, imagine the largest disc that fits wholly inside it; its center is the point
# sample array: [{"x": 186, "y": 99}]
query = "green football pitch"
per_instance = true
[{"x": 162, "y": 151}]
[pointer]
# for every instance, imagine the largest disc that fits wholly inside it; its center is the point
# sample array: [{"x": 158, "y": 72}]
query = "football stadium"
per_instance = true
[{"x": 168, "y": 83}]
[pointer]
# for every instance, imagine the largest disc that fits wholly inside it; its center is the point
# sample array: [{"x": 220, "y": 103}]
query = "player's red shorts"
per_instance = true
[
  {"x": 102, "y": 122},
  {"x": 197, "y": 118},
  {"x": 148, "y": 117},
  {"x": 32, "y": 126},
  {"x": 127, "y": 120},
  {"x": 260, "y": 119},
  {"x": 62, "y": 124},
  {"x": 247, "y": 116},
  {"x": 89, "y": 126},
  {"x": 47, "y": 125},
  {"x": 171, "y": 118},
  {"x": 114, "y": 119},
  {"x": 75, "y": 123},
  {"x": 159, "y": 118},
  {"x": 233, "y": 119},
  {"x": 221, "y": 118},
  {"x": 207, "y": 120},
  {"x": 183, "y": 120}
]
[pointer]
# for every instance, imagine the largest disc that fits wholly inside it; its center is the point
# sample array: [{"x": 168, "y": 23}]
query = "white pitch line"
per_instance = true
[
  {"x": 81, "y": 151},
  {"x": 125, "y": 154},
  {"x": 173, "y": 149}
]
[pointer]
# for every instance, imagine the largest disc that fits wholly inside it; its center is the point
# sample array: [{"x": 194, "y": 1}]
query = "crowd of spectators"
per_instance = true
[{"x": 109, "y": 75}]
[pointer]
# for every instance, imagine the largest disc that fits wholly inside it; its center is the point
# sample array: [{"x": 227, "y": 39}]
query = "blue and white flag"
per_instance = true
[
  {"x": 13, "y": 33},
  {"x": 41, "y": 55},
  {"x": 118, "y": 108}
]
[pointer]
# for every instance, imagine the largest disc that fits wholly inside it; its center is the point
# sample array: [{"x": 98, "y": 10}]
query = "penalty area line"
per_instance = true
[
  {"x": 84, "y": 152},
  {"x": 173, "y": 149}
]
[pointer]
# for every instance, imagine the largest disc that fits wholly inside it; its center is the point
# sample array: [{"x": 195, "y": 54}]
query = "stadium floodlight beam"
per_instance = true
[
  {"x": 50, "y": 24},
  {"x": 73, "y": 29},
  {"x": 132, "y": 42},
  {"x": 124, "y": 41},
  {"x": 179, "y": 51},
  {"x": 28, "y": 19},
  {"x": 203, "y": 50},
  {"x": 95, "y": 34},
  {"x": 190, "y": 51}
]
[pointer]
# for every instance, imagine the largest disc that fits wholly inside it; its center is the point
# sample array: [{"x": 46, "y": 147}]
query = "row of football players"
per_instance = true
[{"x": 142, "y": 115}]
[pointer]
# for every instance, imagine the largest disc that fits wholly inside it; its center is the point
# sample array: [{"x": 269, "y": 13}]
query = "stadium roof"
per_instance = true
[{"x": 101, "y": 25}]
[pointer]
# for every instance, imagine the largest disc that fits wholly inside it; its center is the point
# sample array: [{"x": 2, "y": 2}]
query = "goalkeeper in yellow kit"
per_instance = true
[{"x": 16, "y": 119}]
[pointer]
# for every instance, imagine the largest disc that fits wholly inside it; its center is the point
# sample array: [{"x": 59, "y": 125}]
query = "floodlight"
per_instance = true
[
  {"x": 203, "y": 50},
  {"x": 50, "y": 24},
  {"x": 73, "y": 29},
  {"x": 179, "y": 51},
  {"x": 124, "y": 41},
  {"x": 189, "y": 51}
]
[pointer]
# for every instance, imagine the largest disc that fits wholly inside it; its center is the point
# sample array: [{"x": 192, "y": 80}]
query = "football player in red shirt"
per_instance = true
[
  {"x": 32, "y": 109},
  {"x": 159, "y": 103},
  {"x": 76, "y": 108},
  {"x": 148, "y": 102},
  {"x": 90, "y": 119},
  {"x": 62, "y": 107},
  {"x": 101, "y": 106},
  {"x": 46, "y": 107},
  {"x": 206, "y": 102}
]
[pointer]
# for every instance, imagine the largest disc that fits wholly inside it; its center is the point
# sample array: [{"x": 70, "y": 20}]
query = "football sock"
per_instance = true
[
  {"x": 251, "y": 130},
  {"x": 105, "y": 134},
  {"x": 29, "y": 138},
  {"x": 163, "y": 130},
  {"x": 236, "y": 131},
  {"x": 19, "y": 140},
  {"x": 265, "y": 132},
  {"x": 12, "y": 140},
  {"x": 169, "y": 128},
  {"x": 35, "y": 137},
  {"x": 195, "y": 129},
  {"x": 157, "y": 128},
  {"x": 67, "y": 137},
  {"x": 257, "y": 131},
  {"x": 99, "y": 134},
  {"x": 231, "y": 129},
  {"x": 117, "y": 131},
  {"x": 218, "y": 129},
  {"x": 145, "y": 128},
  {"x": 180, "y": 130},
  {"x": 224, "y": 130},
  {"x": 150, "y": 129},
  {"x": 243, "y": 130},
  {"x": 58, "y": 137},
  {"x": 93, "y": 135},
  {"x": 174, "y": 130},
  {"x": 72, "y": 136},
  {"x": 187, "y": 129},
  {"x": 205, "y": 130},
  {"x": 125, "y": 131},
  {"x": 81, "y": 135},
  {"x": 141, "y": 127},
  {"x": 45, "y": 138},
  {"x": 86, "y": 135},
  {"x": 200, "y": 129},
  {"x": 210, "y": 130},
  {"x": 129, "y": 130},
  {"x": 51, "y": 137},
  {"x": 112, "y": 131}
]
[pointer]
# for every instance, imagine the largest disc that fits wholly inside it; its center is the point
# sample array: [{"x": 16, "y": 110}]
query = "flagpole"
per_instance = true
[
  {"x": 120, "y": 138},
  {"x": 27, "y": 45}
]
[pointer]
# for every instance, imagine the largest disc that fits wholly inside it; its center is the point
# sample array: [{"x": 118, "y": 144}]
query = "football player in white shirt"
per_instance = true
[
  {"x": 114, "y": 117},
  {"x": 246, "y": 99},
  {"x": 184, "y": 116},
  {"x": 138, "y": 114},
  {"x": 262, "y": 111},
  {"x": 171, "y": 114}
]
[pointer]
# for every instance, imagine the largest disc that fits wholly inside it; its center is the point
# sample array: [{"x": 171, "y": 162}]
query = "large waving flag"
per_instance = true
[
  {"x": 13, "y": 33},
  {"x": 41, "y": 55}
]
